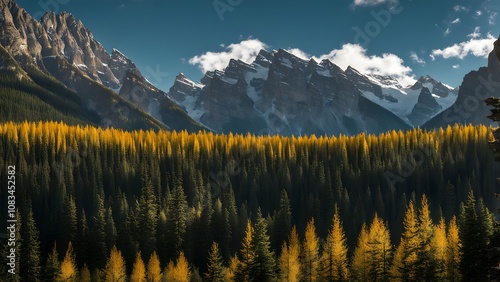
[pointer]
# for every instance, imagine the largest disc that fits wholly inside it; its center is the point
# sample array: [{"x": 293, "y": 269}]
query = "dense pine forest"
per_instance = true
[{"x": 105, "y": 204}]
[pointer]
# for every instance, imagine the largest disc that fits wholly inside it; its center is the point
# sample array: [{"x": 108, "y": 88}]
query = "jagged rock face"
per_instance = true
[
  {"x": 476, "y": 87},
  {"x": 280, "y": 93},
  {"x": 434, "y": 86},
  {"x": 425, "y": 107},
  {"x": 32, "y": 41},
  {"x": 363, "y": 83},
  {"x": 63, "y": 47},
  {"x": 120, "y": 65}
]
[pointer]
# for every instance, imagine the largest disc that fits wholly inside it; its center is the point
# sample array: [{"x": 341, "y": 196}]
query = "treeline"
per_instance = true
[{"x": 168, "y": 193}]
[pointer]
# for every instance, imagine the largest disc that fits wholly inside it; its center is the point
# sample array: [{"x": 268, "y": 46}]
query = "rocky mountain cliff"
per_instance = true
[
  {"x": 62, "y": 47},
  {"x": 476, "y": 87},
  {"x": 279, "y": 93}
]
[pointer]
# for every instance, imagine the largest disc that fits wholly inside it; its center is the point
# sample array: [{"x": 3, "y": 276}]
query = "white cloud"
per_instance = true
[
  {"x": 456, "y": 21},
  {"x": 476, "y": 33},
  {"x": 246, "y": 51},
  {"x": 447, "y": 31},
  {"x": 456, "y": 66},
  {"x": 479, "y": 13},
  {"x": 369, "y": 2},
  {"x": 299, "y": 53},
  {"x": 459, "y": 8},
  {"x": 416, "y": 58},
  {"x": 355, "y": 56},
  {"x": 492, "y": 18},
  {"x": 479, "y": 47}
]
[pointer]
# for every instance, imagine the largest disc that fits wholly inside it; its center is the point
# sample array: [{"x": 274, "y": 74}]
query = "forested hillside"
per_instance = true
[{"x": 86, "y": 194}]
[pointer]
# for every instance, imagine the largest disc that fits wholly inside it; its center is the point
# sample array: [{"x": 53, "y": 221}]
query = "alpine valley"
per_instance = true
[{"x": 270, "y": 168}]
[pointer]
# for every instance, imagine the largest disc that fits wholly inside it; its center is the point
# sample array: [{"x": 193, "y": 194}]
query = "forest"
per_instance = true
[{"x": 97, "y": 204}]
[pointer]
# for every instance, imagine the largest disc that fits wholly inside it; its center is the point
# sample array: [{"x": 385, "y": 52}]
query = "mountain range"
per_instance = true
[{"x": 277, "y": 93}]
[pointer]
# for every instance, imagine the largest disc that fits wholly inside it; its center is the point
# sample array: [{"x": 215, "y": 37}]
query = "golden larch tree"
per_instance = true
[
  {"x": 379, "y": 250},
  {"x": 310, "y": 253},
  {"x": 405, "y": 259},
  {"x": 289, "y": 259},
  {"x": 453, "y": 252},
  {"x": 115, "y": 269},
  {"x": 359, "y": 266},
  {"x": 440, "y": 244},
  {"x": 178, "y": 271},
  {"x": 334, "y": 257},
  {"x": 85, "y": 274},
  {"x": 138, "y": 270},
  {"x": 68, "y": 270},
  {"x": 154, "y": 273}
]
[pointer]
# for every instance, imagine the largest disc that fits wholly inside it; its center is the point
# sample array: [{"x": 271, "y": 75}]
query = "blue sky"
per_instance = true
[{"x": 442, "y": 38}]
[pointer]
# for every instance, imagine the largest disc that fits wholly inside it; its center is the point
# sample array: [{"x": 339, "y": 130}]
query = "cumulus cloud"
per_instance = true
[
  {"x": 416, "y": 58},
  {"x": 479, "y": 47},
  {"x": 456, "y": 66},
  {"x": 246, "y": 51},
  {"x": 356, "y": 56},
  {"x": 479, "y": 13},
  {"x": 456, "y": 21}
]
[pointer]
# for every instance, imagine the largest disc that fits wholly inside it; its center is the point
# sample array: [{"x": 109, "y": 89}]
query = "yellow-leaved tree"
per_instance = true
[
  {"x": 289, "y": 259},
  {"x": 440, "y": 244},
  {"x": 115, "y": 270},
  {"x": 360, "y": 263},
  {"x": 334, "y": 257},
  {"x": 453, "y": 252},
  {"x": 85, "y": 274},
  {"x": 154, "y": 269},
  {"x": 138, "y": 270},
  {"x": 405, "y": 258},
  {"x": 379, "y": 250},
  {"x": 68, "y": 271},
  {"x": 310, "y": 253},
  {"x": 178, "y": 272}
]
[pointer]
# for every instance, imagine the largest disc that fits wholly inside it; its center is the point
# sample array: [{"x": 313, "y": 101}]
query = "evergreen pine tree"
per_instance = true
[
  {"x": 30, "y": 253},
  {"x": 264, "y": 266},
  {"x": 176, "y": 221},
  {"x": 215, "y": 268},
  {"x": 474, "y": 232},
  {"x": 146, "y": 213},
  {"x": 247, "y": 258},
  {"x": 52, "y": 265}
]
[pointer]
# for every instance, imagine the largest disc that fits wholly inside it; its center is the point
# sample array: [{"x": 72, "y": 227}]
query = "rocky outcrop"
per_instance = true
[
  {"x": 433, "y": 85},
  {"x": 425, "y": 107},
  {"x": 476, "y": 87}
]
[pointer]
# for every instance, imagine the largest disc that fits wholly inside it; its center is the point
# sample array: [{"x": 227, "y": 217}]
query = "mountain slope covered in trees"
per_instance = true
[{"x": 171, "y": 193}]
